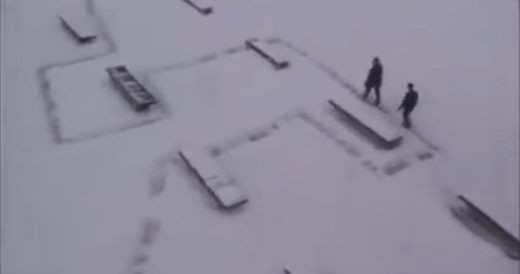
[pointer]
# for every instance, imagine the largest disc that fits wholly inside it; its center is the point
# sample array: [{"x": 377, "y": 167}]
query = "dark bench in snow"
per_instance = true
[
  {"x": 79, "y": 27},
  {"x": 201, "y": 10},
  {"x": 250, "y": 44},
  {"x": 483, "y": 225},
  {"x": 133, "y": 92},
  {"x": 221, "y": 187},
  {"x": 368, "y": 122}
]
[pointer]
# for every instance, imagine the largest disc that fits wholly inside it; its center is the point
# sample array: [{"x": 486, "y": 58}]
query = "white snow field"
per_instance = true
[{"x": 90, "y": 186}]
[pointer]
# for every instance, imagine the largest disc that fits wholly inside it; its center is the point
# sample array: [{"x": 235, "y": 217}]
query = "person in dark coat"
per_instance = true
[
  {"x": 374, "y": 80},
  {"x": 408, "y": 104}
]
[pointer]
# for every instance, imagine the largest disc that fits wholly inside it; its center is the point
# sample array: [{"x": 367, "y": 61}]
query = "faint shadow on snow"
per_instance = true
[
  {"x": 158, "y": 176},
  {"x": 253, "y": 135},
  {"x": 150, "y": 228},
  {"x": 198, "y": 61}
]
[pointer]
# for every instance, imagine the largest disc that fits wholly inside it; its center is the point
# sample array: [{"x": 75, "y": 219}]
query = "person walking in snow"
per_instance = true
[
  {"x": 374, "y": 80},
  {"x": 408, "y": 104}
]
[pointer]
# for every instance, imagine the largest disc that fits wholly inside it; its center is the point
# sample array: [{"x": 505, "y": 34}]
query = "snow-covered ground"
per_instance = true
[{"x": 89, "y": 186}]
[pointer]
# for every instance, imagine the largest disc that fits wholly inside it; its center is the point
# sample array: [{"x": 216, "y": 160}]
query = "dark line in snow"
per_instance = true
[
  {"x": 50, "y": 105},
  {"x": 346, "y": 85},
  {"x": 198, "y": 61},
  {"x": 275, "y": 40},
  {"x": 252, "y": 135},
  {"x": 50, "y": 102},
  {"x": 121, "y": 129},
  {"x": 390, "y": 168}
]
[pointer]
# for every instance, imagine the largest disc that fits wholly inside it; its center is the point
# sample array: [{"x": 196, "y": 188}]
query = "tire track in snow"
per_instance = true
[
  {"x": 330, "y": 72},
  {"x": 50, "y": 102},
  {"x": 158, "y": 183},
  {"x": 159, "y": 173},
  {"x": 334, "y": 75},
  {"x": 45, "y": 84},
  {"x": 158, "y": 180}
]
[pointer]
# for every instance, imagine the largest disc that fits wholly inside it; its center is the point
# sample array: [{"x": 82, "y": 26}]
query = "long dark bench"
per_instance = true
[
  {"x": 255, "y": 46},
  {"x": 368, "y": 122},
  {"x": 79, "y": 27},
  {"x": 483, "y": 225}
]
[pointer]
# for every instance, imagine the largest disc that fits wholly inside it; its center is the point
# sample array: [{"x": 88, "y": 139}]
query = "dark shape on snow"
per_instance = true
[
  {"x": 408, "y": 104},
  {"x": 393, "y": 168},
  {"x": 258, "y": 135},
  {"x": 201, "y": 10},
  {"x": 374, "y": 80},
  {"x": 386, "y": 142},
  {"x": 151, "y": 228},
  {"x": 276, "y": 64},
  {"x": 141, "y": 259},
  {"x": 77, "y": 34},
  {"x": 133, "y": 91},
  {"x": 424, "y": 155},
  {"x": 484, "y": 226},
  {"x": 226, "y": 193}
]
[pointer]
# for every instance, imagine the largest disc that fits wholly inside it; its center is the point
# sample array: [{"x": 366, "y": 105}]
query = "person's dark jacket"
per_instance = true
[
  {"x": 375, "y": 76},
  {"x": 410, "y": 100}
]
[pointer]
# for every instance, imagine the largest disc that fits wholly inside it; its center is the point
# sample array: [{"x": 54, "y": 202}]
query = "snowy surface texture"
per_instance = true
[{"x": 90, "y": 186}]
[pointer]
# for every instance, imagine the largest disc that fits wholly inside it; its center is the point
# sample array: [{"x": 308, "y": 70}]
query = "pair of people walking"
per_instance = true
[{"x": 374, "y": 82}]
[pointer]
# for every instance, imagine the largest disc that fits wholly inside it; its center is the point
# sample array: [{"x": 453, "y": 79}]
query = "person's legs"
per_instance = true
[
  {"x": 378, "y": 96},
  {"x": 368, "y": 87},
  {"x": 406, "y": 118}
]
